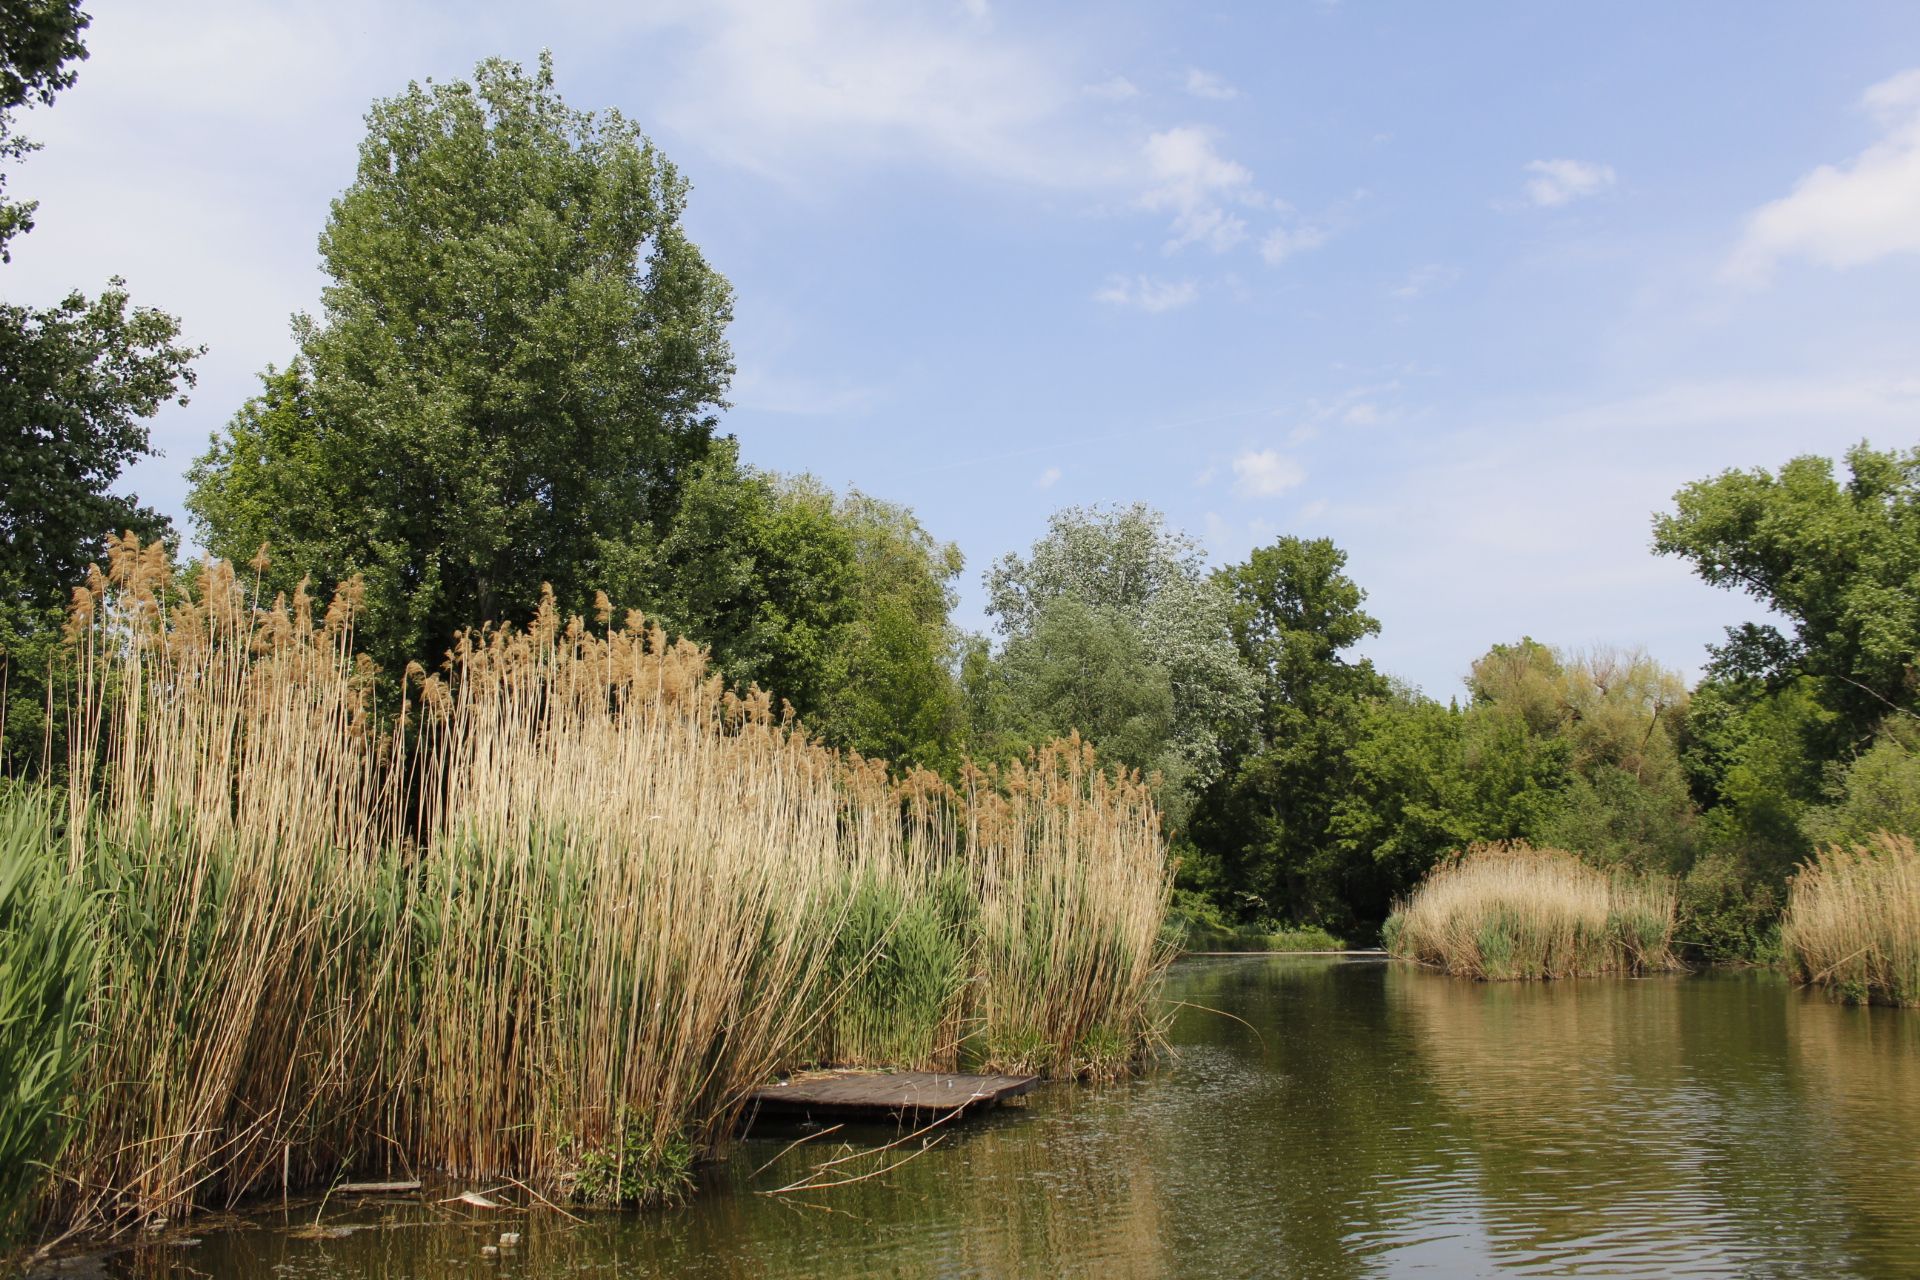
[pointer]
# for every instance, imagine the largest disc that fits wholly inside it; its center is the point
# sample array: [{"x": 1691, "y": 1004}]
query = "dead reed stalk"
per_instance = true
[
  {"x": 553, "y": 921},
  {"x": 1853, "y": 921}
]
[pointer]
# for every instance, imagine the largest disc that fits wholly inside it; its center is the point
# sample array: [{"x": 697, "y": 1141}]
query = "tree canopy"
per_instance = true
[
  {"x": 1121, "y": 570},
  {"x": 1839, "y": 560},
  {"x": 516, "y": 369}
]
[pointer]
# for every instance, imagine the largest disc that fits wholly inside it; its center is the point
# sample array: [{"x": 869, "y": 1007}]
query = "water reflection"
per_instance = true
[{"x": 1348, "y": 1119}]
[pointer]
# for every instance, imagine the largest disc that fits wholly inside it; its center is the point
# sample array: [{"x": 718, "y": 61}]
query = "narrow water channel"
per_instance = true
[{"x": 1350, "y": 1118}]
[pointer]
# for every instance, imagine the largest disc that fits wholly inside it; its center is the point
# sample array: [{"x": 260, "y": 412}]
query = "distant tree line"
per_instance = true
[{"x": 516, "y": 378}]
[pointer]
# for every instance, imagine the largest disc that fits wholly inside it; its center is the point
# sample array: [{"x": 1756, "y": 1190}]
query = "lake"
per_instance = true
[{"x": 1319, "y": 1117}]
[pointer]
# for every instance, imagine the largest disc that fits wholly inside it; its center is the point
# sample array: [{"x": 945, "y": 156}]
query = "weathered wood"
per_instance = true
[
  {"x": 375, "y": 1188},
  {"x": 877, "y": 1095}
]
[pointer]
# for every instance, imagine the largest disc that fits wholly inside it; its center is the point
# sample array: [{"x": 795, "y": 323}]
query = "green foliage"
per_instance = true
[
  {"x": 46, "y": 962},
  {"x": 1725, "y": 913},
  {"x": 517, "y": 366},
  {"x": 837, "y": 604},
  {"x": 1879, "y": 790},
  {"x": 1275, "y": 819},
  {"x": 1756, "y": 759},
  {"x": 899, "y": 963},
  {"x": 1196, "y": 923},
  {"x": 1084, "y": 667},
  {"x": 1837, "y": 560},
  {"x": 1117, "y": 592},
  {"x": 633, "y": 1172},
  {"x": 80, "y": 378}
]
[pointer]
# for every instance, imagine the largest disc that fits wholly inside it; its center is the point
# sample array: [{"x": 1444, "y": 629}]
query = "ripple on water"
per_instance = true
[{"x": 1361, "y": 1121}]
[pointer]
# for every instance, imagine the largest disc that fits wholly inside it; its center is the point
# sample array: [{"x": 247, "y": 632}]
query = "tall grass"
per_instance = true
[
  {"x": 1074, "y": 886},
  {"x": 1853, "y": 921},
  {"x": 1504, "y": 911},
  {"x": 45, "y": 974},
  {"x": 552, "y": 923}
]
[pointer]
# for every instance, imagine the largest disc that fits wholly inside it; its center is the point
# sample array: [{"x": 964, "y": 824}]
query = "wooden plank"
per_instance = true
[{"x": 878, "y": 1095}]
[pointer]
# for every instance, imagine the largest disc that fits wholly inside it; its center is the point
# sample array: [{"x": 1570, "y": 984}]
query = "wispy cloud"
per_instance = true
[
  {"x": 1843, "y": 217},
  {"x": 1282, "y": 243},
  {"x": 1558, "y": 182},
  {"x": 1429, "y": 278},
  {"x": 1048, "y": 478},
  {"x": 1266, "y": 474},
  {"x": 1205, "y": 84},
  {"x": 1190, "y": 178},
  {"x": 1112, "y": 89},
  {"x": 780, "y": 88},
  {"x": 1146, "y": 294}
]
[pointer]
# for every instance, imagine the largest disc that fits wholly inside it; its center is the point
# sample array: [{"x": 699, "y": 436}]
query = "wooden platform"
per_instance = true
[{"x": 882, "y": 1095}]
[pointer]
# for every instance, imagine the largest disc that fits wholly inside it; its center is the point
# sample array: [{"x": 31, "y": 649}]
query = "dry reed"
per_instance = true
[
  {"x": 554, "y": 922},
  {"x": 1853, "y": 921},
  {"x": 1504, "y": 911}
]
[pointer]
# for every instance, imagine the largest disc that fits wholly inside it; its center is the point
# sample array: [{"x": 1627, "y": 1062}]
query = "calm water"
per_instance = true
[{"x": 1369, "y": 1121}]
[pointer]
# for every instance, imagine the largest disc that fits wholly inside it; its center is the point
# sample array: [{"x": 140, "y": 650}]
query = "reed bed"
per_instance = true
[
  {"x": 1073, "y": 891},
  {"x": 1853, "y": 921},
  {"x": 552, "y": 922},
  {"x": 1510, "y": 911}
]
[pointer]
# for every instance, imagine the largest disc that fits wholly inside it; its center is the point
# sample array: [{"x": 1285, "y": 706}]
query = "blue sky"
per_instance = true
[{"x": 1471, "y": 289}]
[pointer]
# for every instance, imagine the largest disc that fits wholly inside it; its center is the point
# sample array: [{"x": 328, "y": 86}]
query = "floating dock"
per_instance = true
[{"x": 883, "y": 1095}]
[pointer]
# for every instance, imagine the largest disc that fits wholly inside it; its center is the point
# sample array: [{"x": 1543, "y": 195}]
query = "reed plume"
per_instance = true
[
  {"x": 1502, "y": 911},
  {"x": 552, "y": 918},
  {"x": 1853, "y": 921}
]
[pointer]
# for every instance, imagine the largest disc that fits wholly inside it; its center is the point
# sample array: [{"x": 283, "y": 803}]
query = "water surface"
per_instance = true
[{"x": 1349, "y": 1119}]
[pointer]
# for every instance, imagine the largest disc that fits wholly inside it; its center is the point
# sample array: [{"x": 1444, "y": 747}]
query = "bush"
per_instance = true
[
  {"x": 1725, "y": 914},
  {"x": 1196, "y": 923}
]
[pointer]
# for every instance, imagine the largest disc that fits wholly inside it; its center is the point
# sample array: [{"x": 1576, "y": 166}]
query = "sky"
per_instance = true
[{"x": 1470, "y": 289}]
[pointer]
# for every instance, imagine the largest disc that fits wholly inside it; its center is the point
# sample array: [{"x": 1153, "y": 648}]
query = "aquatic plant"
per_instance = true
[
  {"x": 1073, "y": 886},
  {"x": 1853, "y": 921},
  {"x": 552, "y": 921},
  {"x": 1502, "y": 911},
  {"x": 46, "y": 959}
]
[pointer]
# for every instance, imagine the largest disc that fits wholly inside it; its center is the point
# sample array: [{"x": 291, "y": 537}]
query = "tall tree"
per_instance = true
[
  {"x": 1269, "y": 825},
  {"x": 517, "y": 366},
  {"x": 1839, "y": 560},
  {"x": 838, "y": 604},
  {"x": 1122, "y": 567}
]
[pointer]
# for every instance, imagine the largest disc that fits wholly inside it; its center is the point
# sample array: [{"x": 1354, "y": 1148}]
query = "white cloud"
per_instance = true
[
  {"x": 1426, "y": 279},
  {"x": 1147, "y": 294},
  {"x": 1265, "y": 474},
  {"x": 1558, "y": 182},
  {"x": 1364, "y": 414},
  {"x": 1843, "y": 217},
  {"x": 1190, "y": 178},
  {"x": 1048, "y": 478},
  {"x": 1112, "y": 89},
  {"x": 1282, "y": 244},
  {"x": 1205, "y": 84},
  {"x": 779, "y": 86}
]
